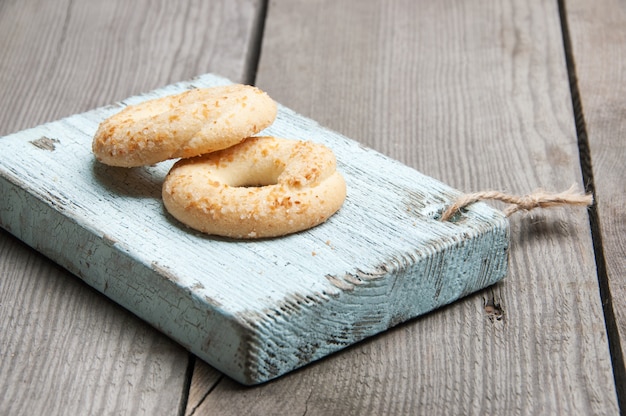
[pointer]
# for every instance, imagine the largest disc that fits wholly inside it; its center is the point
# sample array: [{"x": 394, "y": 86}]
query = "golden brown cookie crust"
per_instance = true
[
  {"x": 262, "y": 187},
  {"x": 188, "y": 124}
]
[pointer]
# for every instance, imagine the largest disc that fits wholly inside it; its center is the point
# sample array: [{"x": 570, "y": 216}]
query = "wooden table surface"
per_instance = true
[{"x": 480, "y": 94}]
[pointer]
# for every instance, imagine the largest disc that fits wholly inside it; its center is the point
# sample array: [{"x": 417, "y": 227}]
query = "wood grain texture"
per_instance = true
[
  {"x": 204, "y": 380},
  {"x": 67, "y": 350},
  {"x": 475, "y": 94},
  {"x": 64, "y": 57},
  {"x": 59, "y": 58},
  {"x": 598, "y": 40}
]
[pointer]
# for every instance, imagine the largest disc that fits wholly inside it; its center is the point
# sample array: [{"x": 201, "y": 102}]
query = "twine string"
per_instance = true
[{"x": 536, "y": 199}]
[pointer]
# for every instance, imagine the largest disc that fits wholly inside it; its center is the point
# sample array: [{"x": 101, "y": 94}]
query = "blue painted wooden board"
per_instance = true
[{"x": 253, "y": 309}]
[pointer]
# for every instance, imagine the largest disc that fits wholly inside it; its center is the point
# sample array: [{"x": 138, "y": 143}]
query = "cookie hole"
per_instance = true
[
  {"x": 257, "y": 178},
  {"x": 255, "y": 184}
]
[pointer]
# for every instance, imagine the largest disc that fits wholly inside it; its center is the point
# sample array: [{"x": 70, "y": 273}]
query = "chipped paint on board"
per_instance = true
[{"x": 254, "y": 310}]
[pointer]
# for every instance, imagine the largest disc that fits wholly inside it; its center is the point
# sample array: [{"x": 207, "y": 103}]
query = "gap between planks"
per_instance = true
[
  {"x": 256, "y": 44},
  {"x": 615, "y": 349}
]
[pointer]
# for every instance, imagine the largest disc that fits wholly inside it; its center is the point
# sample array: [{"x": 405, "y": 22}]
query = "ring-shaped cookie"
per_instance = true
[
  {"x": 184, "y": 125},
  {"x": 262, "y": 187}
]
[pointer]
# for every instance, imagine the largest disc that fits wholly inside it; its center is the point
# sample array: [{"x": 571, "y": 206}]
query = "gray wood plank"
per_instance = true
[
  {"x": 475, "y": 94},
  {"x": 598, "y": 40},
  {"x": 69, "y": 350},
  {"x": 65, "y": 349},
  {"x": 204, "y": 380},
  {"x": 64, "y": 57}
]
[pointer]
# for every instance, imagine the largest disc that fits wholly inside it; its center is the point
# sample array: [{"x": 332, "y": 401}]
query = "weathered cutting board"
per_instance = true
[{"x": 252, "y": 309}]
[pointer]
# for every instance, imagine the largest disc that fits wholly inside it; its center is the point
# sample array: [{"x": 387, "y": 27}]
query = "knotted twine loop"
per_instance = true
[{"x": 536, "y": 199}]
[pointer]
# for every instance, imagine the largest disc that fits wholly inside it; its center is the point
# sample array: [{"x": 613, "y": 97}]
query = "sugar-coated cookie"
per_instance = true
[
  {"x": 262, "y": 187},
  {"x": 189, "y": 124}
]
